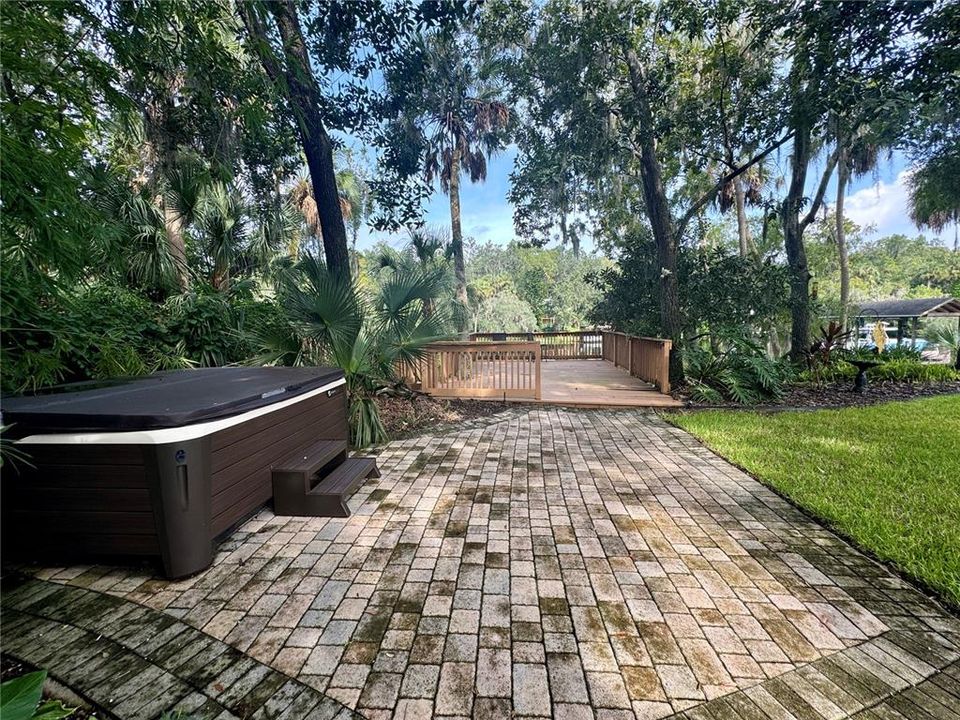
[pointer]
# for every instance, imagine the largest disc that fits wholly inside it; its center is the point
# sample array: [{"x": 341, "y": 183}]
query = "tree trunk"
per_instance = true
[
  {"x": 301, "y": 90},
  {"x": 354, "y": 258},
  {"x": 456, "y": 241},
  {"x": 221, "y": 278},
  {"x": 173, "y": 225},
  {"x": 843, "y": 175},
  {"x": 162, "y": 136},
  {"x": 661, "y": 221},
  {"x": 742, "y": 226},
  {"x": 793, "y": 243}
]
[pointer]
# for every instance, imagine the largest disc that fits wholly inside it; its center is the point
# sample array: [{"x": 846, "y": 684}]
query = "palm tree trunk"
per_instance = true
[
  {"x": 456, "y": 240},
  {"x": 173, "y": 225},
  {"x": 843, "y": 175},
  {"x": 162, "y": 137},
  {"x": 220, "y": 279},
  {"x": 742, "y": 226},
  {"x": 355, "y": 259}
]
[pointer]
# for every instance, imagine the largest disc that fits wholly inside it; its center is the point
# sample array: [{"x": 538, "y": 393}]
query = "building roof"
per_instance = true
[{"x": 918, "y": 307}]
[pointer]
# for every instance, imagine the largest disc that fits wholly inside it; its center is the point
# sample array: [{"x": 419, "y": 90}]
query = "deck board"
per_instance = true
[{"x": 596, "y": 383}]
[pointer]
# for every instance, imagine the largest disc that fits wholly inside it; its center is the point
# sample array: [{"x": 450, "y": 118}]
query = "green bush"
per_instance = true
[
  {"x": 742, "y": 373},
  {"x": 100, "y": 331},
  {"x": 367, "y": 334},
  {"x": 105, "y": 330},
  {"x": 898, "y": 369}
]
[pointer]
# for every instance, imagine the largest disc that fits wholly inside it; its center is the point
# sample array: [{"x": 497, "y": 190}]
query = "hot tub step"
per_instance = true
[
  {"x": 293, "y": 477},
  {"x": 329, "y": 495},
  {"x": 308, "y": 462}
]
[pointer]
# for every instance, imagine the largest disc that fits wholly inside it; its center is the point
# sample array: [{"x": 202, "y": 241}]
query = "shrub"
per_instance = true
[
  {"x": 913, "y": 371},
  {"x": 897, "y": 369},
  {"x": 889, "y": 353},
  {"x": 106, "y": 330},
  {"x": 366, "y": 334},
  {"x": 101, "y": 331},
  {"x": 742, "y": 373}
]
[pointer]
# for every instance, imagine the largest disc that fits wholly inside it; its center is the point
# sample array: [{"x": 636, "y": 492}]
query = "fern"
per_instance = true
[
  {"x": 701, "y": 392},
  {"x": 741, "y": 373}
]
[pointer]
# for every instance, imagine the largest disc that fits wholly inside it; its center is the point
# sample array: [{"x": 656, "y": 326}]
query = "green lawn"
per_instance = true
[{"x": 887, "y": 476}]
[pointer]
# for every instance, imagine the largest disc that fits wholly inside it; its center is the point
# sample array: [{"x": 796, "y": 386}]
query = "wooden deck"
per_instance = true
[
  {"x": 559, "y": 368},
  {"x": 596, "y": 383}
]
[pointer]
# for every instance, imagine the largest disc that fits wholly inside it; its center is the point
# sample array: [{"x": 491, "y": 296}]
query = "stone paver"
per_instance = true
[
  {"x": 573, "y": 564},
  {"x": 138, "y": 663}
]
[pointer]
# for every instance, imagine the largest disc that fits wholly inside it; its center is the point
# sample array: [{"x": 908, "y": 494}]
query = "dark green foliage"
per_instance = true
[
  {"x": 107, "y": 330},
  {"x": 22, "y": 699},
  {"x": 10, "y": 452},
  {"x": 741, "y": 372},
  {"x": 896, "y": 369},
  {"x": 889, "y": 353},
  {"x": 369, "y": 335},
  {"x": 720, "y": 292},
  {"x": 829, "y": 361}
]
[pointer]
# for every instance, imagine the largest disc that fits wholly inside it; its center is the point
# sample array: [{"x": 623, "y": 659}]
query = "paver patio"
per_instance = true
[{"x": 572, "y": 564}]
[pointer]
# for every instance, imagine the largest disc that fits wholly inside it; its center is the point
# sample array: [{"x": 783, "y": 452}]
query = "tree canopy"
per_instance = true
[{"x": 681, "y": 170}]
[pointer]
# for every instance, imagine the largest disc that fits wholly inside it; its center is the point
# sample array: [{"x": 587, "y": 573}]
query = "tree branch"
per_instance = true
[
  {"x": 821, "y": 189},
  {"x": 261, "y": 40},
  {"x": 708, "y": 196}
]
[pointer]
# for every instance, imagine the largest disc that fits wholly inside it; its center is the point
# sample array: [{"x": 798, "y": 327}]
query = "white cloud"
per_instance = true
[{"x": 884, "y": 207}]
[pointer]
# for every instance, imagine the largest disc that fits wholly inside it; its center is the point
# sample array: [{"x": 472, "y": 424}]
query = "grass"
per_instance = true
[{"x": 886, "y": 476}]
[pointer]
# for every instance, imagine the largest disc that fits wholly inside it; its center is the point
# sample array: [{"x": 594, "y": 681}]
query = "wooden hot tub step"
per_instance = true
[{"x": 329, "y": 496}]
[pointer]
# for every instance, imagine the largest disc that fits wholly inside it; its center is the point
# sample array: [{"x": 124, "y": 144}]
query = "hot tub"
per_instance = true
[{"x": 161, "y": 465}]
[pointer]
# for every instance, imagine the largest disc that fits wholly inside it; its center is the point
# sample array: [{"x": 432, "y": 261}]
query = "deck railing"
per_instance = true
[
  {"x": 574, "y": 345},
  {"x": 507, "y": 365},
  {"x": 643, "y": 357},
  {"x": 481, "y": 370}
]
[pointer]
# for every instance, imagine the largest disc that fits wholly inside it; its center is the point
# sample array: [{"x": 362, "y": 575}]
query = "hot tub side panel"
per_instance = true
[
  {"x": 79, "y": 501},
  {"x": 241, "y": 457}
]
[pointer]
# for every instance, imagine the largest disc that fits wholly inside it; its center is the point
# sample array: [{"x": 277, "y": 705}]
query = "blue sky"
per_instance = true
[{"x": 878, "y": 200}]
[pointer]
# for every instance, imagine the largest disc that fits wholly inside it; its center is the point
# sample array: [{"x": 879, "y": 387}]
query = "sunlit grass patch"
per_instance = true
[{"x": 887, "y": 476}]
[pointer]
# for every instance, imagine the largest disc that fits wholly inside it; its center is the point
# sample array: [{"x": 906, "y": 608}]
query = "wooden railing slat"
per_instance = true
[{"x": 482, "y": 369}]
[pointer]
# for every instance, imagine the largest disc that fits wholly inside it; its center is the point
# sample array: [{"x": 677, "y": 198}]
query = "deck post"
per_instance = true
[
  {"x": 537, "y": 358},
  {"x": 665, "y": 367}
]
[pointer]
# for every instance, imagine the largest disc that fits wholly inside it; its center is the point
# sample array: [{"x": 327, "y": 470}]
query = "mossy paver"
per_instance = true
[
  {"x": 549, "y": 563},
  {"x": 114, "y": 665}
]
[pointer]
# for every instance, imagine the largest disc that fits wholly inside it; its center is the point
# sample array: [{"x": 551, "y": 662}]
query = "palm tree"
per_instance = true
[
  {"x": 368, "y": 335},
  {"x": 221, "y": 220},
  {"x": 948, "y": 336},
  {"x": 427, "y": 251},
  {"x": 355, "y": 201},
  {"x": 302, "y": 197},
  {"x": 744, "y": 190},
  {"x": 935, "y": 197},
  {"x": 464, "y": 124}
]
